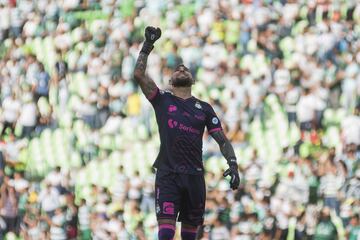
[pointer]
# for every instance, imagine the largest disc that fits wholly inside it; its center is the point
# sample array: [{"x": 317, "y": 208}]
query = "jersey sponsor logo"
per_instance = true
[
  {"x": 168, "y": 208},
  {"x": 174, "y": 124},
  {"x": 215, "y": 120},
  {"x": 188, "y": 129},
  {"x": 198, "y": 105},
  {"x": 172, "y": 108}
]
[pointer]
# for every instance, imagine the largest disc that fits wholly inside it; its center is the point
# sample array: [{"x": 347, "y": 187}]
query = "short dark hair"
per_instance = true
[{"x": 181, "y": 65}]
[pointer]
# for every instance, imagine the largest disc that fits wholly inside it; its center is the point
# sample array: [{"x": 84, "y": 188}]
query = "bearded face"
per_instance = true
[{"x": 181, "y": 77}]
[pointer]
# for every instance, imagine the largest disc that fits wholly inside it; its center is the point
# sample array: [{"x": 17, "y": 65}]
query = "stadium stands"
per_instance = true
[{"x": 283, "y": 76}]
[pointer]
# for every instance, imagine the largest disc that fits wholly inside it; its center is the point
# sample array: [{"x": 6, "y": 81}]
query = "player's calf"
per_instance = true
[
  {"x": 188, "y": 232},
  {"x": 166, "y": 229}
]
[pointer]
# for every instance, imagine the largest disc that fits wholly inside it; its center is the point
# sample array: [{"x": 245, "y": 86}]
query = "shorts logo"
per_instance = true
[
  {"x": 197, "y": 105},
  {"x": 168, "y": 208},
  {"x": 172, "y": 108},
  {"x": 215, "y": 120}
]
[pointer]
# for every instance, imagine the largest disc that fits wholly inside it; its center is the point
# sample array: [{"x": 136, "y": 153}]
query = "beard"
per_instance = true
[{"x": 182, "y": 81}]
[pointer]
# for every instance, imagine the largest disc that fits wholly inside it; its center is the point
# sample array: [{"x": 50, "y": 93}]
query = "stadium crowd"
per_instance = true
[{"x": 65, "y": 64}]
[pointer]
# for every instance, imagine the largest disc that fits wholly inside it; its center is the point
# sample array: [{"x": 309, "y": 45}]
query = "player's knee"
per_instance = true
[
  {"x": 188, "y": 232},
  {"x": 166, "y": 231}
]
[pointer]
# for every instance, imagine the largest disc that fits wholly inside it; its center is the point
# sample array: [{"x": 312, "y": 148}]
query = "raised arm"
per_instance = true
[
  {"x": 147, "y": 85},
  {"x": 228, "y": 152}
]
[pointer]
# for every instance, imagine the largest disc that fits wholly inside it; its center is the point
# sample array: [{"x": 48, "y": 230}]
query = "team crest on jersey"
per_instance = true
[
  {"x": 172, "y": 108},
  {"x": 198, "y": 105},
  {"x": 215, "y": 120}
]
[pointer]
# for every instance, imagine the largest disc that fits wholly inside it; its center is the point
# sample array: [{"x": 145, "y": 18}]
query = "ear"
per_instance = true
[{"x": 170, "y": 81}]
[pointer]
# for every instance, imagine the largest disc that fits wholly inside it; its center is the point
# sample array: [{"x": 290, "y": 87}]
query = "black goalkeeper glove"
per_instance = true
[
  {"x": 151, "y": 35},
  {"x": 232, "y": 171}
]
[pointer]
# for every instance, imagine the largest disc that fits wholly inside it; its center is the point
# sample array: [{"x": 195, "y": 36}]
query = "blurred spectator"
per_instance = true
[
  {"x": 354, "y": 228},
  {"x": 42, "y": 83},
  {"x": 28, "y": 116},
  {"x": 49, "y": 199},
  {"x": 84, "y": 221},
  {"x": 11, "y": 109},
  {"x": 325, "y": 229}
]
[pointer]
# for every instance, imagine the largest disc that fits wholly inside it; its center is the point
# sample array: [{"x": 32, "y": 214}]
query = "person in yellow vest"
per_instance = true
[{"x": 133, "y": 105}]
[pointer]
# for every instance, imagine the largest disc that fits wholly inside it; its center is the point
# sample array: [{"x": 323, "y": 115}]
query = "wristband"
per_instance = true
[
  {"x": 232, "y": 162},
  {"x": 147, "y": 47}
]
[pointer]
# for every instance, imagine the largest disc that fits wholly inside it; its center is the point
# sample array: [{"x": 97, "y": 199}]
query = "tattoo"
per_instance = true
[
  {"x": 147, "y": 85},
  {"x": 225, "y": 146},
  {"x": 141, "y": 63}
]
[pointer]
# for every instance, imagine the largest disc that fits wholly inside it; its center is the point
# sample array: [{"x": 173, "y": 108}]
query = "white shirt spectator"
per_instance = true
[
  {"x": 84, "y": 217},
  {"x": 15, "y": 17},
  {"x": 291, "y": 98},
  {"x": 54, "y": 178},
  {"x": 30, "y": 28},
  {"x": 305, "y": 108},
  {"x": 11, "y": 109},
  {"x": 112, "y": 125},
  {"x": 255, "y": 92},
  {"x": 113, "y": 225},
  {"x": 351, "y": 129},
  {"x": 31, "y": 73},
  {"x": 220, "y": 233},
  {"x": 49, "y": 199},
  {"x": 12, "y": 149},
  {"x": 34, "y": 233},
  {"x": 135, "y": 188},
  {"x": 330, "y": 184},
  {"x": 282, "y": 79},
  {"x": 20, "y": 184},
  {"x": 57, "y": 229},
  {"x": 4, "y": 18},
  {"x": 28, "y": 115},
  {"x": 128, "y": 67}
]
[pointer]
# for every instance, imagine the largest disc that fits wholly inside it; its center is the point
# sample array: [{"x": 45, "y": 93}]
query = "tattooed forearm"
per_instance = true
[
  {"x": 140, "y": 66},
  {"x": 147, "y": 85},
  {"x": 225, "y": 146}
]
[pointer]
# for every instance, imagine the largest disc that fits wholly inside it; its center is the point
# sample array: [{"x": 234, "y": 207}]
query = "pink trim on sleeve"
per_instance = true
[
  {"x": 215, "y": 130},
  {"x": 153, "y": 95}
]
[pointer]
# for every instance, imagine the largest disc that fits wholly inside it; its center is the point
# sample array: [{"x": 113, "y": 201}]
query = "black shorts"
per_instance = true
[{"x": 181, "y": 194}]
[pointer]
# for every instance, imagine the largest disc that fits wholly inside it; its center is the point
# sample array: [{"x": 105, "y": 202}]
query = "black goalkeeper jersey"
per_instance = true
[{"x": 181, "y": 124}]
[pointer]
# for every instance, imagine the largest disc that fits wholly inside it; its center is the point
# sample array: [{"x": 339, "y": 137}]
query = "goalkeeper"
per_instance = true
[{"x": 180, "y": 185}]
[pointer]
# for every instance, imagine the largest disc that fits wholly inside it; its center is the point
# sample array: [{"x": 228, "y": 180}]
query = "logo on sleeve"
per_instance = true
[
  {"x": 198, "y": 105},
  {"x": 215, "y": 120}
]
